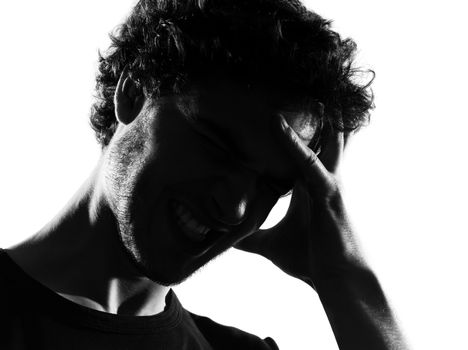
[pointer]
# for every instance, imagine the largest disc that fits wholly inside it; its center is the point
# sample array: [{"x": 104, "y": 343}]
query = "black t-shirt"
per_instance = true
[{"x": 34, "y": 317}]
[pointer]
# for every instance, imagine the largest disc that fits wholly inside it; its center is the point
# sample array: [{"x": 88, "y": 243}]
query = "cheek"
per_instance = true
[
  {"x": 260, "y": 207},
  {"x": 124, "y": 166},
  {"x": 187, "y": 159}
]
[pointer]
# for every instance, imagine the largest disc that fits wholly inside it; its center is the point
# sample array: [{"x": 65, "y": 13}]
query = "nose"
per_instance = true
[{"x": 231, "y": 196}]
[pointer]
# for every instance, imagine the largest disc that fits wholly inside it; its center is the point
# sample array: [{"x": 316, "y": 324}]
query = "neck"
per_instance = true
[{"x": 79, "y": 255}]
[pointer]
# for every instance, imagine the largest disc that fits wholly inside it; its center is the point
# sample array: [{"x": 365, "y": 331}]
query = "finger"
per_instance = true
[
  {"x": 346, "y": 137},
  {"x": 256, "y": 243},
  {"x": 309, "y": 164},
  {"x": 332, "y": 150}
]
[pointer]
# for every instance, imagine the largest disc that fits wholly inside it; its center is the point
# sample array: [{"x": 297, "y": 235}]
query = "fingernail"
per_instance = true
[{"x": 284, "y": 123}]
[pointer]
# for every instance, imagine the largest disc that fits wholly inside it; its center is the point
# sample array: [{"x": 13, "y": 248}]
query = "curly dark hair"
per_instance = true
[{"x": 168, "y": 44}]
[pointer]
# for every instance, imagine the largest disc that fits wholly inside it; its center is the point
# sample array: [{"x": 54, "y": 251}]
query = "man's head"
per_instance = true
[
  {"x": 168, "y": 45},
  {"x": 186, "y": 96}
]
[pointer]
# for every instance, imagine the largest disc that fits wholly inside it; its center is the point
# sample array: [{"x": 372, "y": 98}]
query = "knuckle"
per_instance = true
[
  {"x": 326, "y": 189},
  {"x": 310, "y": 160},
  {"x": 333, "y": 193}
]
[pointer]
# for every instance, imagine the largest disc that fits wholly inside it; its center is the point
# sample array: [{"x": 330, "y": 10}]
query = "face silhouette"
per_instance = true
[{"x": 193, "y": 174}]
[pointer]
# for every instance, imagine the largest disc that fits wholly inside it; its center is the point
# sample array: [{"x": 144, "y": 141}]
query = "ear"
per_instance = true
[{"x": 128, "y": 99}]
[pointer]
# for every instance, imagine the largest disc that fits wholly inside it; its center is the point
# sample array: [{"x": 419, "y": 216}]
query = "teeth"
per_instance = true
[{"x": 195, "y": 230}]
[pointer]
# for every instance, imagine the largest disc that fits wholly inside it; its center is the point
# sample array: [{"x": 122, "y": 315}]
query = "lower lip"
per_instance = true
[{"x": 188, "y": 245}]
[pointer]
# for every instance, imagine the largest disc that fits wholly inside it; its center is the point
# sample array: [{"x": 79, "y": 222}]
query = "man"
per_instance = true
[{"x": 207, "y": 113}]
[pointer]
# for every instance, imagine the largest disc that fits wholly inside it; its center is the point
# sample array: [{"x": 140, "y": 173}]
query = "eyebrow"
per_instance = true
[
  {"x": 211, "y": 130},
  {"x": 215, "y": 132}
]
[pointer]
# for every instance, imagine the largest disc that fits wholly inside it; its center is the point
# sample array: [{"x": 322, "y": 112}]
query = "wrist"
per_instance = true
[
  {"x": 347, "y": 278},
  {"x": 359, "y": 312}
]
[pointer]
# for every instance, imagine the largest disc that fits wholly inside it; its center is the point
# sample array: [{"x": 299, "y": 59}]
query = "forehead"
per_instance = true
[
  {"x": 244, "y": 120},
  {"x": 247, "y": 111}
]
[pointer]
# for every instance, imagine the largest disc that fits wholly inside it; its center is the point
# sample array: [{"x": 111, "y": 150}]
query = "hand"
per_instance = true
[{"x": 314, "y": 241}]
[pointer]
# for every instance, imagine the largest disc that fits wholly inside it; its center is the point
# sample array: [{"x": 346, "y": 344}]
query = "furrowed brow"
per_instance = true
[{"x": 212, "y": 131}]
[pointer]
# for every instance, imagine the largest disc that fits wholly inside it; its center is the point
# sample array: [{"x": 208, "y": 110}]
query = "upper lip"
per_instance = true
[{"x": 202, "y": 218}]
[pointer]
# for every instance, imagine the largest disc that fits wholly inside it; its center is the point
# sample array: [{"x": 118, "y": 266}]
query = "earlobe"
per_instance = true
[{"x": 128, "y": 99}]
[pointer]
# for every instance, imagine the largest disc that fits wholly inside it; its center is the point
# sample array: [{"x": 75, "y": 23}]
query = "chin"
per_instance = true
[
  {"x": 170, "y": 281},
  {"x": 173, "y": 272},
  {"x": 176, "y": 261}
]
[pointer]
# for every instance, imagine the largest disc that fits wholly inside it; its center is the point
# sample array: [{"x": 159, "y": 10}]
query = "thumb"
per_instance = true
[{"x": 256, "y": 243}]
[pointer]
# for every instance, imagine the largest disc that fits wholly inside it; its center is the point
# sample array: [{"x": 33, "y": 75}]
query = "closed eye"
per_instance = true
[
  {"x": 211, "y": 137},
  {"x": 214, "y": 144}
]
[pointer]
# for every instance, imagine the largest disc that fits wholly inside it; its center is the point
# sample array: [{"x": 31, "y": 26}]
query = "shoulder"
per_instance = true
[
  {"x": 10, "y": 287},
  {"x": 227, "y": 338},
  {"x": 6, "y": 281},
  {"x": 10, "y": 319}
]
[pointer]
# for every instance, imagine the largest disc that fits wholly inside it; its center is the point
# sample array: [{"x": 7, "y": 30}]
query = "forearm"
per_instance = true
[{"x": 359, "y": 313}]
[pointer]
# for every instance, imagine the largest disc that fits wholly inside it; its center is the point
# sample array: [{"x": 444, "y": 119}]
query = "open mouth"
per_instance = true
[
  {"x": 190, "y": 226},
  {"x": 194, "y": 234}
]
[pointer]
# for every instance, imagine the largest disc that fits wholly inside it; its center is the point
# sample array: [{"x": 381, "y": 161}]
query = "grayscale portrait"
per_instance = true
[{"x": 232, "y": 174}]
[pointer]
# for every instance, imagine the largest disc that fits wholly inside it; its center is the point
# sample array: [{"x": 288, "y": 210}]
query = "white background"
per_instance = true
[{"x": 405, "y": 175}]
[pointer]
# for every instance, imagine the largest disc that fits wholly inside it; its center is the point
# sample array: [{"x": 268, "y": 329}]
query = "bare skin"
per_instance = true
[
  {"x": 316, "y": 244},
  {"x": 79, "y": 256},
  {"x": 86, "y": 253}
]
